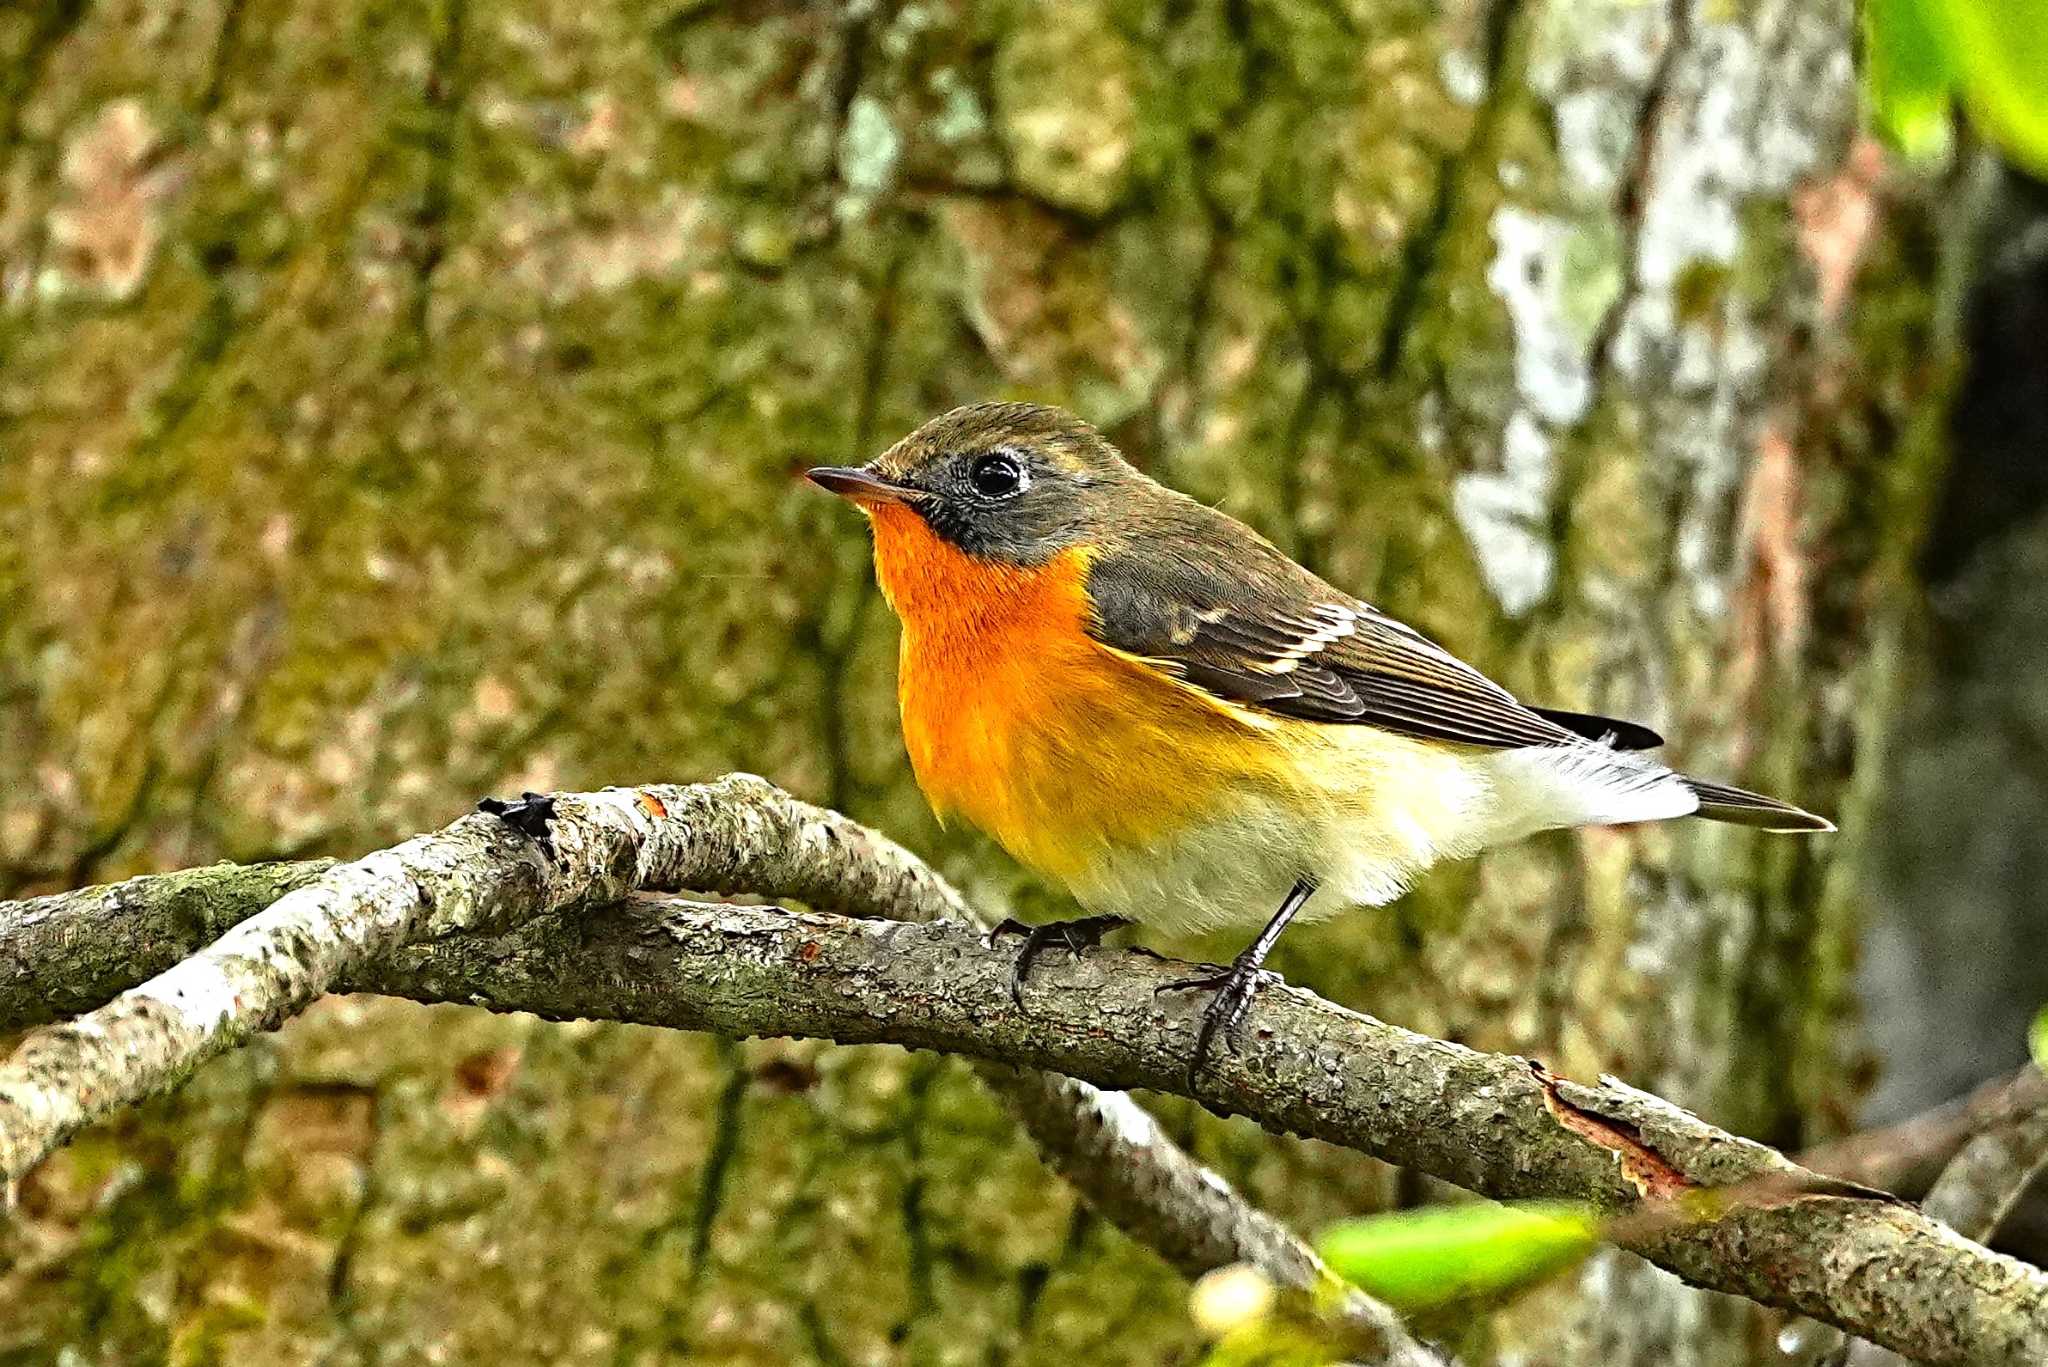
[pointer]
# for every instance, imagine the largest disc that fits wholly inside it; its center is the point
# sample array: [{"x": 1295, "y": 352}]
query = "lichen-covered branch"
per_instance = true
[
  {"x": 1490, "y": 1123},
  {"x": 740, "y": 835},
  {"x": 479, "y": 873},
  {"x": 68, "y": 953}
]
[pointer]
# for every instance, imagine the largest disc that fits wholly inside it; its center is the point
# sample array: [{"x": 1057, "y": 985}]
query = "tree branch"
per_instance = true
[
  {"x": 71, "y": 952},
  {"x": 1981, "y": 1184},
  {"x": 1490, "y": 1123},
  {"x": 482, "y": 914},
  {"x": 739, "y": 835},
  {"x": 1111, "y": 1150}
]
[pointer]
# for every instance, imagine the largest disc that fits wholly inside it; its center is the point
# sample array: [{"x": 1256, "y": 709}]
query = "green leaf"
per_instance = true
[
  {"x": 2037, "y": 1040},
  {"x": 1908, "y": 75},
  {"x": 1999, "y": 50},
  {"x": 1422, "y": 1259}
]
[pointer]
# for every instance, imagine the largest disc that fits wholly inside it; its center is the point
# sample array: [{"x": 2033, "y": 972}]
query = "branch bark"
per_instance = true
[
  {"x": 739, "y": 835},
  {"x": 68, "y": 953},
  {"x": 1490, "y": 1123}
]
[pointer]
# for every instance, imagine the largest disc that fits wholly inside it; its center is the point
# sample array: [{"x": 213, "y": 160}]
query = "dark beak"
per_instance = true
[{"x": 861, "y": 485}]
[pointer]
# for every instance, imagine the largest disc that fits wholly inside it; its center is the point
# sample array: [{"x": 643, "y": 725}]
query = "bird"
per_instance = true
[{"x": 1151, "y": 705}]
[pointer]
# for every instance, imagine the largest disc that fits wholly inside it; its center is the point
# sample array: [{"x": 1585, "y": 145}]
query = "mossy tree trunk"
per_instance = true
[{"x": 400, "y": 403}]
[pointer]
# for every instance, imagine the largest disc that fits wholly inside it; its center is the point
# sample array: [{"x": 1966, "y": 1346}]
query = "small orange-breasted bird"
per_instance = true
[{"x": 1146, "y": 701}]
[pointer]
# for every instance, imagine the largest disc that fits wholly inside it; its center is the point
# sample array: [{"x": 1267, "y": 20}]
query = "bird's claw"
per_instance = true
[
  {"x": 1074, "y": 936},
  {"x": 1234, "y": 987},
  {"x": 1009, "y": 925}
]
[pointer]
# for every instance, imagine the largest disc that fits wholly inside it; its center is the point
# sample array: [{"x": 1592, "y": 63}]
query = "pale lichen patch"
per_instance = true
[
  {"x": 1554, "y": 310},
  {"x": 1670, "y": 122},
  {"x": 869, "y": 149},
  {"x": 960, "y": 117},
  {"x": 106, "y": 230},
  {"x": 1503, "y": 516},
  {"x": 1462, "y": 75}
]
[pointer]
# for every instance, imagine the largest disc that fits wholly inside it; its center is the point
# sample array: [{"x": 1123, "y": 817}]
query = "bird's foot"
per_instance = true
[
  {"x": 1234, "y": 987},
  {"x": 1084, "y": 932}
]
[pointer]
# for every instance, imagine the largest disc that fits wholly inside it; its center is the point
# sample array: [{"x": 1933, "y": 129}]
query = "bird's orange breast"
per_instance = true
[{"x": 1017, "y": 719}]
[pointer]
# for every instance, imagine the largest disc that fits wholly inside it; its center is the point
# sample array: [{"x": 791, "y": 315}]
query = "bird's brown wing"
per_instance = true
[{"x": 1247, "y": 625}]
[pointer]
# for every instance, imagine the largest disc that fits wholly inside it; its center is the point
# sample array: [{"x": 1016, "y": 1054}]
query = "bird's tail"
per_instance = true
[{"x": 1739, "y": 807}]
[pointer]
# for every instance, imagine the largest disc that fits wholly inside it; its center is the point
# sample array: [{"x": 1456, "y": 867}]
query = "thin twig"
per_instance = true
[
  {"x": 1982, "y": 1184},
  {"x": 1907, "y": 1156}
]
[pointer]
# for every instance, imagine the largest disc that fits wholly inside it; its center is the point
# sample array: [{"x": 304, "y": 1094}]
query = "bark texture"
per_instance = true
[
  {"x": 399, "y": 403},
  {"x": 65, "y": 954}
]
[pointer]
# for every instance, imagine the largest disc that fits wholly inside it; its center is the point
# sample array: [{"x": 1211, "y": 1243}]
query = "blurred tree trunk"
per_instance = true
[
  {"x": 401, "y": 402},
  {"x": 1957, "y": 959}
]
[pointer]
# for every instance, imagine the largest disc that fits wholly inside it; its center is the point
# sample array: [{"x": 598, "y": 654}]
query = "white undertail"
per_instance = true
[{"x": 1585, "y": 784}]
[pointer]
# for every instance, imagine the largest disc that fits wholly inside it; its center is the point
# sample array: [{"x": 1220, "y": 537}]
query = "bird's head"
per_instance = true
[{"x": 1013, "y": 484}]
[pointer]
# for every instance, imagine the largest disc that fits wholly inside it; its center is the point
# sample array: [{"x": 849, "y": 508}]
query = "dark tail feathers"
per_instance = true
[{"x": 1738, "y": 807}]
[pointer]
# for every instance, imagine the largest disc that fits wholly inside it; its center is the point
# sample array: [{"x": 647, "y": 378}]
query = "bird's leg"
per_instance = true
[
  {"x": 1236, "y": 985},
  {"x": 1084, "y": 932}
]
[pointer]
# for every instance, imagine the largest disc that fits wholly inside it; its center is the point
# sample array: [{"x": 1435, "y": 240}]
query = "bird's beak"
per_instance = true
[{"x": 858, "y": 484}]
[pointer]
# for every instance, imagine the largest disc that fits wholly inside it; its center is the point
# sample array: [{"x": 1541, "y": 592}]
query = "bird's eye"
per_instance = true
[{"x": 997, "y": 475}]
